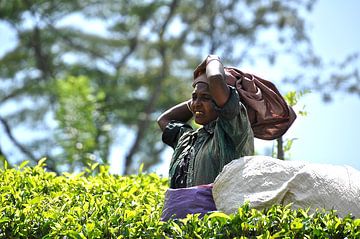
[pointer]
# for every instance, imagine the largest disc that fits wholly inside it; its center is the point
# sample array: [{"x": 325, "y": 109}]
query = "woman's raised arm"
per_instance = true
[
  {"x": 180, "y": 112},
  {"x": 215, "y": 73}
]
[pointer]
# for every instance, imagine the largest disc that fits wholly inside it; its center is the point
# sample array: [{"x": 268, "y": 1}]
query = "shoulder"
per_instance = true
[{"x": 233, "y": 119}]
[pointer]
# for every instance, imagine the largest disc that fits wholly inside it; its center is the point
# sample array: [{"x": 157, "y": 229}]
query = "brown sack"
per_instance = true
[{"x": 269, "y": 114}]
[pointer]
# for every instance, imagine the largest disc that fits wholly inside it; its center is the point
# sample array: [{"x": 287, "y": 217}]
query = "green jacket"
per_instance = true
[{"x": 200, "y": 155}]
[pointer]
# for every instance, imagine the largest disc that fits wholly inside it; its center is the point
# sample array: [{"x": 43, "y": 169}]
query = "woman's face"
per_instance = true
[{"x": 201, "y": 104}]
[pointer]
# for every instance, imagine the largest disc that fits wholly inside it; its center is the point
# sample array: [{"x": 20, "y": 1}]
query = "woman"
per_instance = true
[{"x": 226, "y": 134}]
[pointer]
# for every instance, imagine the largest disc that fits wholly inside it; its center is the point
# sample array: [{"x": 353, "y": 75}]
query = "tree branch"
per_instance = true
[
  {"x": 42, "y": 59},
  {"x": 143, "y": 124},
  {"x": 22, "y": 148}
]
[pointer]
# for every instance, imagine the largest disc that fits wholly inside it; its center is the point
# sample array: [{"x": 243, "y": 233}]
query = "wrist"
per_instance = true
[{"x": 214, "y": 68}]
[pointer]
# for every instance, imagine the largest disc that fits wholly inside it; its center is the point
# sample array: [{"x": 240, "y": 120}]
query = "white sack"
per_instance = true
[{"x": 264, "y": 181}]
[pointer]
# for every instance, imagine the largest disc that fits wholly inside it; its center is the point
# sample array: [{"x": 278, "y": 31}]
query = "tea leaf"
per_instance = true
[{"x": 38, "y": 204}]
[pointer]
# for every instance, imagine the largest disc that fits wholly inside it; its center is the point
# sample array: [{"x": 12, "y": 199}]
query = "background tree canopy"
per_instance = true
[{"x": 82, "y": 70}]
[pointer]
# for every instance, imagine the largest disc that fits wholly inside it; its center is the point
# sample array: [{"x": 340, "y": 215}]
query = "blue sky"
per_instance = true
[{"x": 329, "y": 133}]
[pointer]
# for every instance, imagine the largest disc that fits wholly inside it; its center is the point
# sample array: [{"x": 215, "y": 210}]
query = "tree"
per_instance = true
[{"x": 139, "y": 55}]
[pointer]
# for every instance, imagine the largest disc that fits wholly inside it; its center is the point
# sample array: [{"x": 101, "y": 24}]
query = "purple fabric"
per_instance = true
[{"x": 182, "y": 201}]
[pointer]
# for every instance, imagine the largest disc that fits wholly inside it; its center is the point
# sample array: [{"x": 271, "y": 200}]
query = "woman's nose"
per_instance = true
[{"x": 196, "y": 102}]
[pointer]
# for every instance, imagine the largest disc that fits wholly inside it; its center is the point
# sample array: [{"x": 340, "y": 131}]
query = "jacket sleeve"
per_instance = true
[
  {"x": 173, "y": 130},
  {"x": 233, "y": 126}
]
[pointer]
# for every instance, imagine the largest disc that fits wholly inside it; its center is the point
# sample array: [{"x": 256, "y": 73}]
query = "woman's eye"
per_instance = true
[
  {"x": 201, "y": 98},
  {"x": 207, "y": 98}
]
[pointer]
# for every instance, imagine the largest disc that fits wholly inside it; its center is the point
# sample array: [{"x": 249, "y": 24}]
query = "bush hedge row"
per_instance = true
[{"x": 40, "y": 204}]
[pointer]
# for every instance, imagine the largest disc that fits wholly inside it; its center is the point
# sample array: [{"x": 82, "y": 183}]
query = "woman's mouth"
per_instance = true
[{"x": 199, "y": 113}]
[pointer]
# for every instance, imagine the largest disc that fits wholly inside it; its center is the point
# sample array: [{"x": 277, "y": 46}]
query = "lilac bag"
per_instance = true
[{"x": 182, "y": 201}]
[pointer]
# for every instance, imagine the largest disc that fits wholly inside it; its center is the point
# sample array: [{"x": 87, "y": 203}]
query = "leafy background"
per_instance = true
[{"x": 84, "y": 81}]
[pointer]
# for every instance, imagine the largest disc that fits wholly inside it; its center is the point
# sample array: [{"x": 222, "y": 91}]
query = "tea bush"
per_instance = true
[{"x": 40, "y": 204}]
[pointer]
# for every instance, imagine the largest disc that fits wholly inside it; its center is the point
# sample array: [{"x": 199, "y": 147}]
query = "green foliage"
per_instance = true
[
  {"x": 79, "y": 120},
  {"x": 40, "y": 204},
  {"x": 292, "y": 98},
  {"x": 36, "y": 204}
]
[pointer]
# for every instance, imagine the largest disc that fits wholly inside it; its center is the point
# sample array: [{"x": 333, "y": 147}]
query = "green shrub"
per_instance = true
[{"x": 40, "y": 204}]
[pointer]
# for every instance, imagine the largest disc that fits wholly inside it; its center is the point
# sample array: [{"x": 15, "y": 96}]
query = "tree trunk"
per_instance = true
[
  {"x": 280, "y": 148},
  {"x": 143, "y": 124}
]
